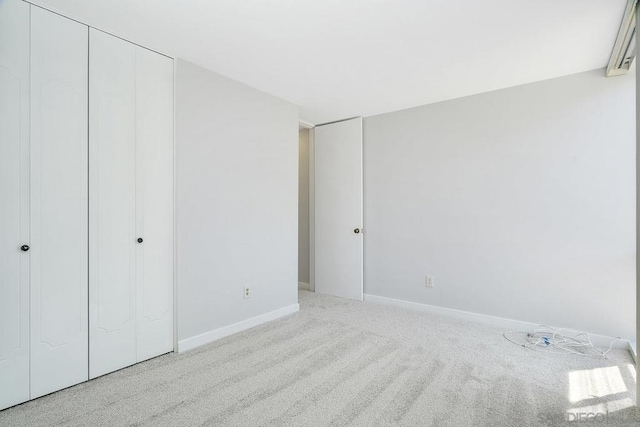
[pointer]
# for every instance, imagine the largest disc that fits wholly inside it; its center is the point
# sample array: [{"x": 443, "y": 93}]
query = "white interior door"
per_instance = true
[
  {"x": 154, "y": 203},
  {"x": 112, "y": 157},
  {"x": 14, "y": 202},
  {"x": 59, "y": 201},
  {"x": 338, "y": 209}
]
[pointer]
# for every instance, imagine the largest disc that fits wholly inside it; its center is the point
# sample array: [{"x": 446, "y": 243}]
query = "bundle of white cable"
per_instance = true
[{"x": 560, "y": 340}]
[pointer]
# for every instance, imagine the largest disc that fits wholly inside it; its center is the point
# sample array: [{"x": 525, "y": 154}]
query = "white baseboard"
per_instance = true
[
  {"x": 305, "y": 286},
  {"x": 632, "y": 350},
  {"x": 216, "y": 334},
  {"x": 501, "y": 322}
]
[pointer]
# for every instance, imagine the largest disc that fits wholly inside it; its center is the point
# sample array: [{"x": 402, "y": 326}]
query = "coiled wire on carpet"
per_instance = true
[{"x": 560, "y": 340}]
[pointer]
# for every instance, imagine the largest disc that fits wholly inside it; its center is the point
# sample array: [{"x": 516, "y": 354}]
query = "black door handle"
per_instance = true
[
  {"x": 24, "y": 248},
  {"x": 357, "y": 230},
  {"x": 140, "y": 240}
]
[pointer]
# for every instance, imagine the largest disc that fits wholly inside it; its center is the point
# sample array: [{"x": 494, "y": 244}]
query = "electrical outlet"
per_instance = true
[
  {"x": 247, "y": 293},
  {"x": 430, "y": 282}
]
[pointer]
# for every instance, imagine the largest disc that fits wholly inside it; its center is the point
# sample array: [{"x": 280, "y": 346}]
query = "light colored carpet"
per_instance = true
[{"x": 340, "y": 362}]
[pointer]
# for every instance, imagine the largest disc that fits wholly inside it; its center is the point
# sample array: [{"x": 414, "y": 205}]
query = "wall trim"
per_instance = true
[
  {"x": 501, "y": 322},
  {"x": 225, "y": 331},
  {"x": 304, "y": 286},
  {"x": 632, "y": 350}
]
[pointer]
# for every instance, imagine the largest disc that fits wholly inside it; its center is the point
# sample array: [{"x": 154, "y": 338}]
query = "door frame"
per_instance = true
[
  {"x": 175, "y": 210},
  {"x": 312, "y": 205}
]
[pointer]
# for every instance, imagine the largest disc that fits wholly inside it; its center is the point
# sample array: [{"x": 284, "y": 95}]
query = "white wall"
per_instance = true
[
  {"x": 521, "y": 203},
  {"x": 303, "y": 207},
  {"x": 236, "y": 201}
]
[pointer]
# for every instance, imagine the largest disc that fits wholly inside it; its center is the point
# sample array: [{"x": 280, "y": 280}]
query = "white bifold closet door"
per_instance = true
[
  {"x": 14, "y": 202},
  {"x": 131, "y": 204},
  {"x": 59, "y": 202},
  {"x": 43, "y": 189}
]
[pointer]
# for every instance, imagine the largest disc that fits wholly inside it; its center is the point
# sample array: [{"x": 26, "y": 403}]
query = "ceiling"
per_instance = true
[{"x": 345, "y": 58}]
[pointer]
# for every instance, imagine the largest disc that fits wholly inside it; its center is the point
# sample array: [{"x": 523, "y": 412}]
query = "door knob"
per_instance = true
[
  {"x": 24, "y": 248},
  {"x": 357, "y": 230},
  {"x": 140, "y": 240}
]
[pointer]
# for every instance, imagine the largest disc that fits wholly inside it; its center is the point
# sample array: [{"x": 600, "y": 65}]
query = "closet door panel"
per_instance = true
[
  {"x": 59, "y": 202},
  {"x": 154, "y": 201},
  {"x": 14, "y": 197},
  {"x": 112, "y": 204}
]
